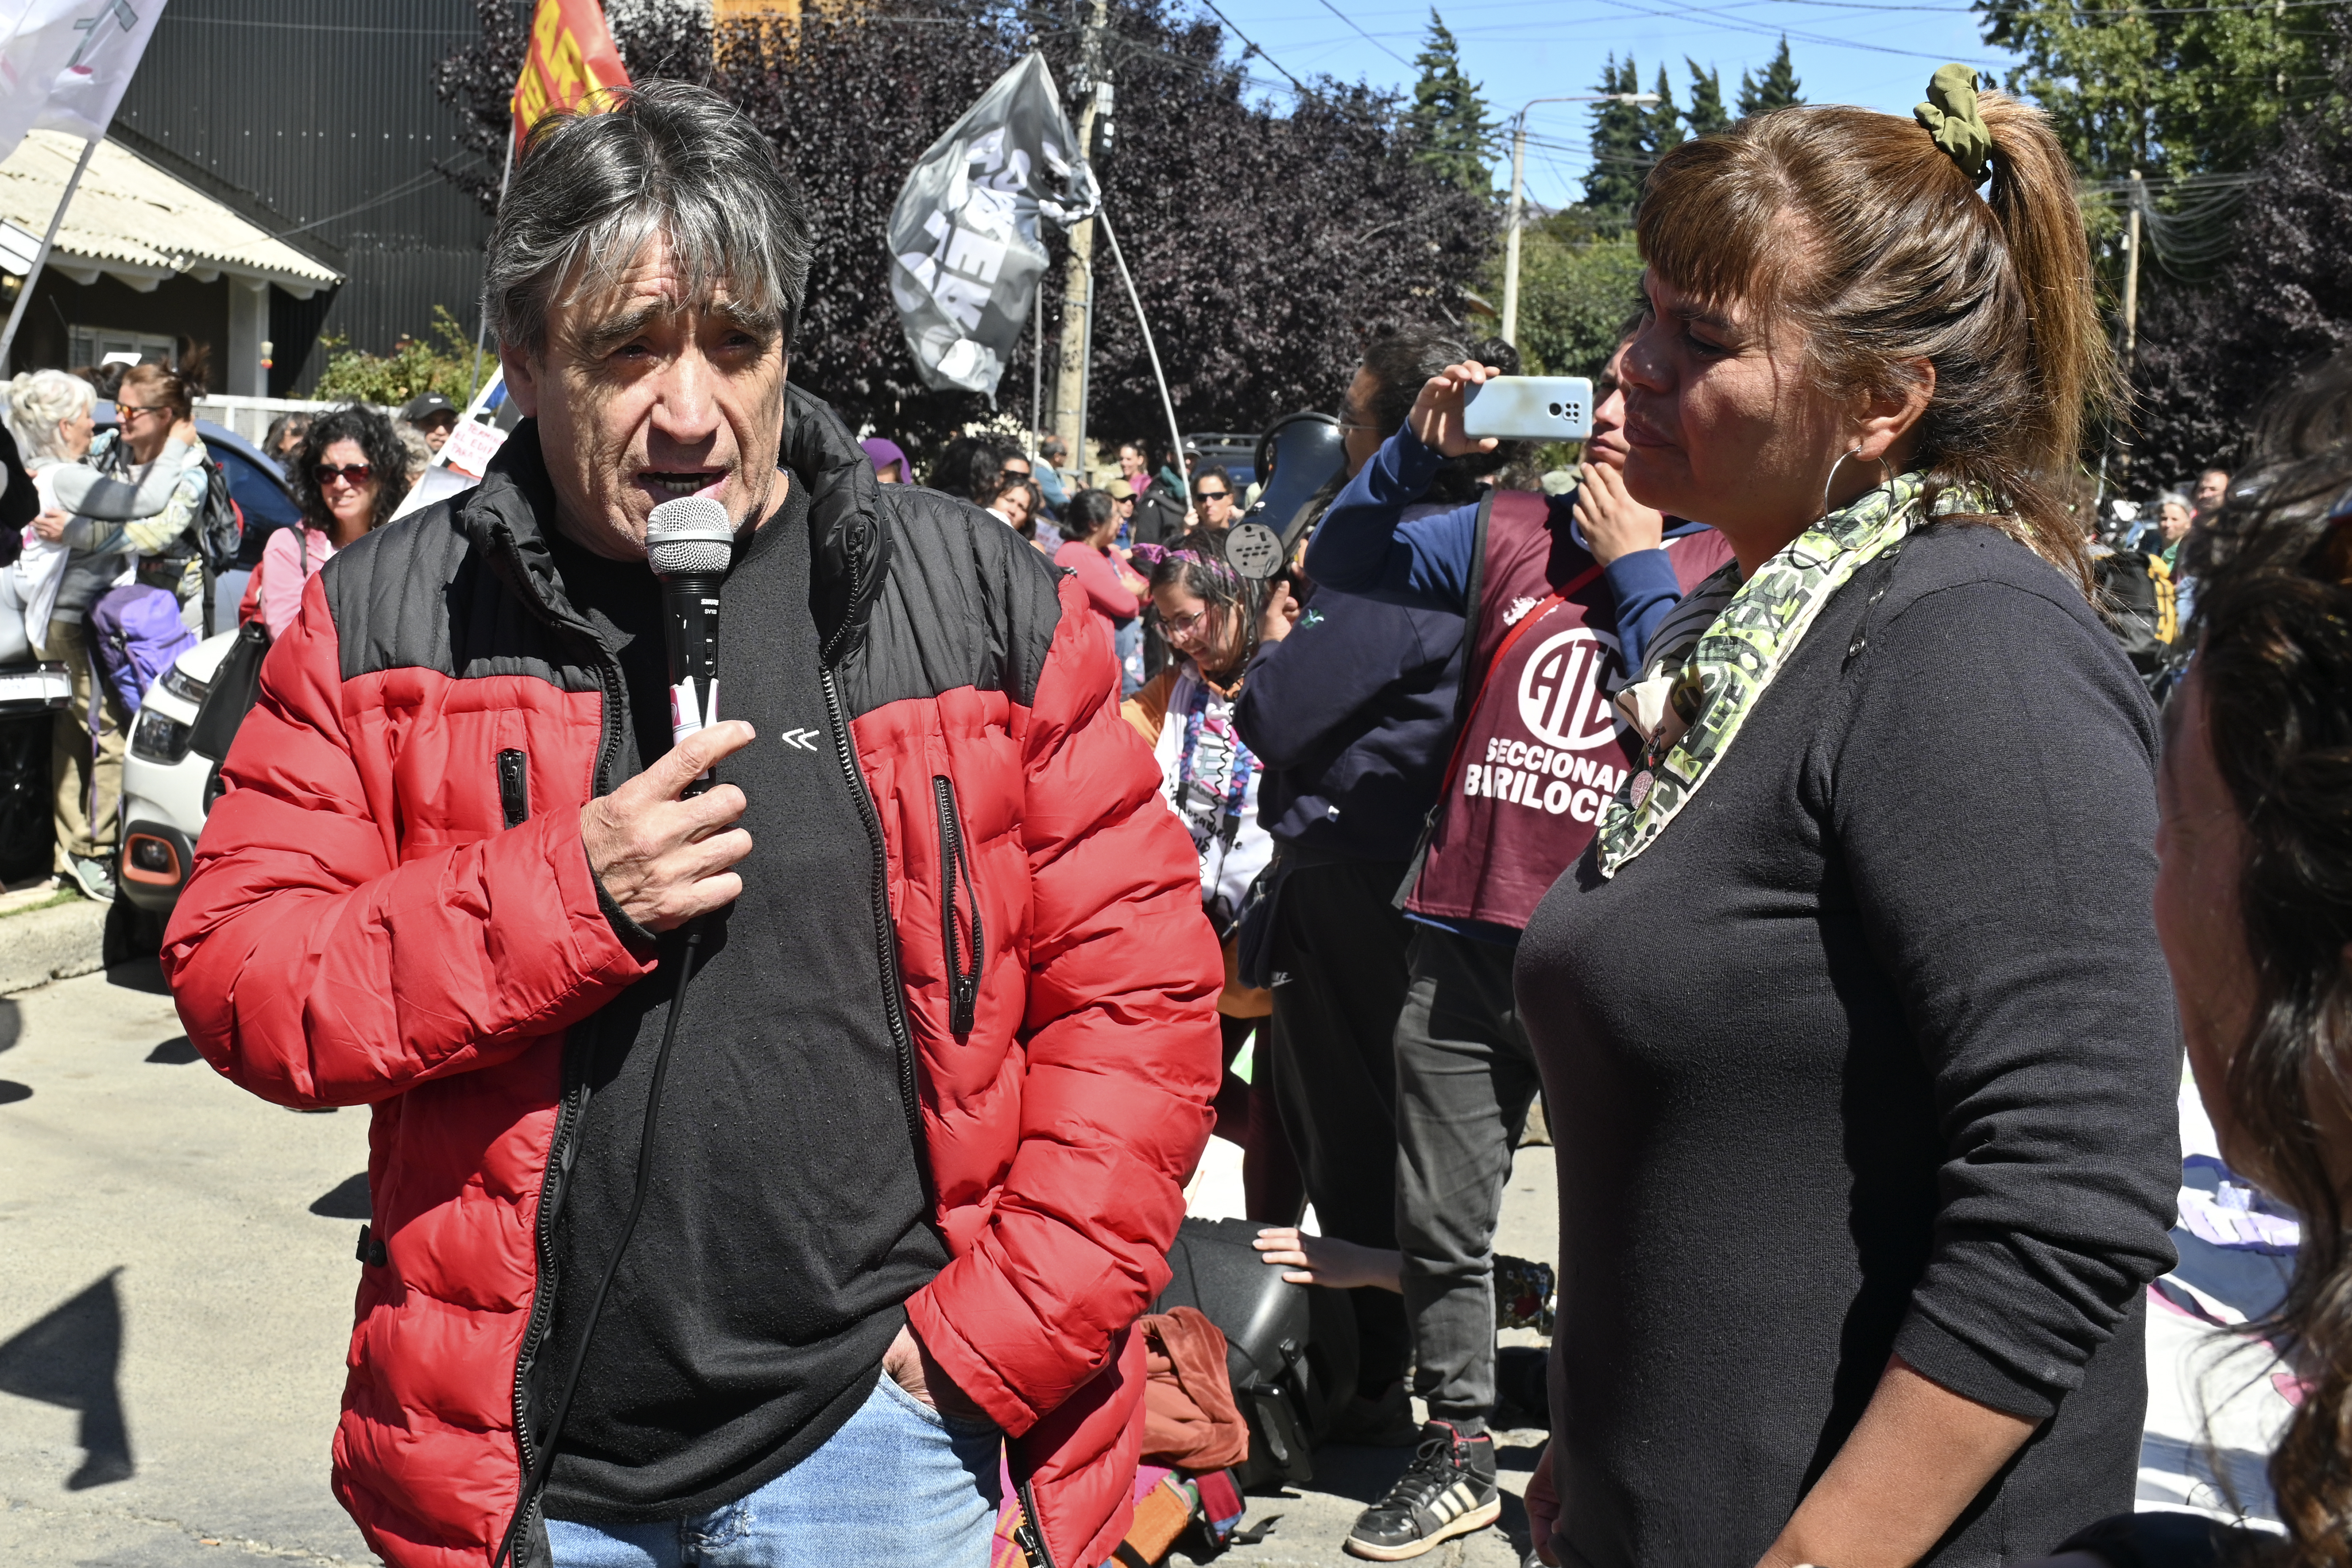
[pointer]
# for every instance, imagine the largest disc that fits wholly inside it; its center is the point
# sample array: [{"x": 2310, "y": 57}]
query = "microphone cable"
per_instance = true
[{"x": 509, "y": 1548}]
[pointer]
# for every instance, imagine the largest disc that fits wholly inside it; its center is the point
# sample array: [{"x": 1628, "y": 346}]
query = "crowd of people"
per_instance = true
[
  {"x": 783, "y": 1122},
  {"x": 128, "y": 506}
]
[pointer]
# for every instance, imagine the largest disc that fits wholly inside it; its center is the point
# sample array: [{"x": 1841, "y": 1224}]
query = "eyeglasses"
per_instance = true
[
  {"x": 1182, "y": 626},
  {"x": 352, "y": 473},
  {"x": 125, "y": 410},
  {"x": 1199, "y": 496}
]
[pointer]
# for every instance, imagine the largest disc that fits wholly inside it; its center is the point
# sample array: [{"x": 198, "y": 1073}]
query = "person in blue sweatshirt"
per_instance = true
[
  {"x": 1559, "y": 595},
  {"x": 1350, "y": 703}
]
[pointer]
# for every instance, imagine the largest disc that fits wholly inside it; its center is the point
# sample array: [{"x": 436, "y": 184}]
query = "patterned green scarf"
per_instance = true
[{"x": 1735, "y": 658}]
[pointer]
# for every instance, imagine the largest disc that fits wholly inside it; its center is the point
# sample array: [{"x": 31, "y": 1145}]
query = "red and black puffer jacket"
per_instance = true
[{"x": 373, "y": 919}]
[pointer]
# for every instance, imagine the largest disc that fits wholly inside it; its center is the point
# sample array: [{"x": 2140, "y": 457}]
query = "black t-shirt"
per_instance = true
[
  {"x": 622, "y": 599},
  {"x": 787, "y": 1221}
]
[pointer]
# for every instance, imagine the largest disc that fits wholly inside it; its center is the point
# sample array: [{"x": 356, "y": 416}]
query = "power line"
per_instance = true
[
  {"x": 1366, "y": 36},
  {"x": 1253, "y": 49}
]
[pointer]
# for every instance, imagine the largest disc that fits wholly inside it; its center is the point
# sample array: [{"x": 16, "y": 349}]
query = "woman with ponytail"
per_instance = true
[{"x": 1857, "y": 1041}]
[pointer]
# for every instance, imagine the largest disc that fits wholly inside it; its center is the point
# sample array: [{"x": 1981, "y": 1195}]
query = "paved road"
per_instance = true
[
  {"x": 174, "y": 1310},
  {"x": 176, "y": 1295}
]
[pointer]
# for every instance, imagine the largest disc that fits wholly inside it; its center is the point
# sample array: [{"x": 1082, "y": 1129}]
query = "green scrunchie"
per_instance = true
[{"x": 1950, "y": 116}]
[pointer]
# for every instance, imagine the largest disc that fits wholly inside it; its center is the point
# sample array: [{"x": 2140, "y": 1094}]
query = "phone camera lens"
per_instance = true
[{"x": 1555, "y": 410}]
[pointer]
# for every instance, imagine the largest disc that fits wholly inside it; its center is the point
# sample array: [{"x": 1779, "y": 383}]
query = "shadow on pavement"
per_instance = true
[
  {"x": 177, "y": 1051},
  {"x": 348, "y": 1201},
  {"x": 12, "y": 1091},
  {"x": 12, "y": 1024},
  {"x": 70, "y": 1358},
  {"x": 139, "y": 975}
]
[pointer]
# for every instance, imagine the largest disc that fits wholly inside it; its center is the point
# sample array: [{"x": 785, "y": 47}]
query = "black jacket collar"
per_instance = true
[{"x": 508, "y": 514}]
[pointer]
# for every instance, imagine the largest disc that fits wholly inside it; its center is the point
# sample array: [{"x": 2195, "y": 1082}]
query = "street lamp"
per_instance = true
[{"x": 1518, "y": 182}]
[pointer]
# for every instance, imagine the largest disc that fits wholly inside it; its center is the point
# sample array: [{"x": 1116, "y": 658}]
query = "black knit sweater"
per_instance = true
[{"x": 1871, "y": 1053}]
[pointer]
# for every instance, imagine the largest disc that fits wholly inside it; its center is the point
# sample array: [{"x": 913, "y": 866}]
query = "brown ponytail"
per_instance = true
[
  {"x": 166, "y": 386},
  {"x": 1867, "y": 233}
]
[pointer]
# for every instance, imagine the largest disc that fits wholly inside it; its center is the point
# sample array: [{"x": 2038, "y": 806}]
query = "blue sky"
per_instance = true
[{"x": 1850, "y": 51}]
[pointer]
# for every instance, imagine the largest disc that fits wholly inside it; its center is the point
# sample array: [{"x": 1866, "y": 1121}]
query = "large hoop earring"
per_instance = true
[{"x": 1885, "y": 477}]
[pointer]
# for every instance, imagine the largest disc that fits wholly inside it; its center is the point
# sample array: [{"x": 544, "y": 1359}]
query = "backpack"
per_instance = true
[
  {"x": 135, "y": 633},
  {"x": 220, "y": 524},
  {"x": 2136, "y": 591}
]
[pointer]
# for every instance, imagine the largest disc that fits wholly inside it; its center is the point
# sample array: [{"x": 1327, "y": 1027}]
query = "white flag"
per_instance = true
[{"x": 65, "y": 67}]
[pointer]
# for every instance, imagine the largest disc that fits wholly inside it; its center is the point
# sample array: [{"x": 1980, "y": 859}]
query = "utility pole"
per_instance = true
[
  {"x": 1079, "y": 286},
  {"x": 1518, "y": 184},
  {"x": 2131, "y": 271}
]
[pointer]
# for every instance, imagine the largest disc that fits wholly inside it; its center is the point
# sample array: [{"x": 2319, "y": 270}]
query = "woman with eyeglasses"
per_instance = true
[
  {"x": 348, "y": 477},
  {"x": 1209, "y": 616}
]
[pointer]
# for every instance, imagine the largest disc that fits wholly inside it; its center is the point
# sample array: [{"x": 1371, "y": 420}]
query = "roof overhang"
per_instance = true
[{"x": 132, "y": 222}]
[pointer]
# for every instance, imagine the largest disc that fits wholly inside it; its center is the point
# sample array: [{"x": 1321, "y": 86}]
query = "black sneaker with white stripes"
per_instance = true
[{"x": 1448, "y": 1490}]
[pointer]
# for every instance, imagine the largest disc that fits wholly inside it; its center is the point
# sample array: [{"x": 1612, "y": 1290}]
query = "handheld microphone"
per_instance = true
[{"x": 690, "y": 543}]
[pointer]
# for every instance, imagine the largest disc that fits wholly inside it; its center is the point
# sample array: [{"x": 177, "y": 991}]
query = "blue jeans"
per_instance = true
[{"x": 899, "y": 1486}]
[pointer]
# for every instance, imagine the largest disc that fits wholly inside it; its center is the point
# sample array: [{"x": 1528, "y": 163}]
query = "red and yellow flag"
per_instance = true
[{"x": 571, "y": 55}]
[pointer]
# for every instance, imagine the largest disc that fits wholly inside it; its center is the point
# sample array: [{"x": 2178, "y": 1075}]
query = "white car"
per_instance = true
[{"x": 167, "y": 785}]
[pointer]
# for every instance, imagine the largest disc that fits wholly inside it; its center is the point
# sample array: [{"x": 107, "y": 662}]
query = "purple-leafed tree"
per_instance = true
[
  {"x": 2209, "y": 355},
  {"x": 1268, "y": 235}
]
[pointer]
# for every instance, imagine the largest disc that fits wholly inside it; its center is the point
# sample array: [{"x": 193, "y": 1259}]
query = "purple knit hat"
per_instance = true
[{"x": 882, "y": 453}]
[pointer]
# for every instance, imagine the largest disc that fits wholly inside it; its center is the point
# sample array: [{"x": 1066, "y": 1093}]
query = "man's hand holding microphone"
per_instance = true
[{"x": 665, "y": 856}]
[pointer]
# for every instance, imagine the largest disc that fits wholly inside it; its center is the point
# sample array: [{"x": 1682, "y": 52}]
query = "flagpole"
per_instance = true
[
  {"x": 1174, "y": 437},
  {"x": 481, "y": 316},
  {"x": 41, "y": 256}
]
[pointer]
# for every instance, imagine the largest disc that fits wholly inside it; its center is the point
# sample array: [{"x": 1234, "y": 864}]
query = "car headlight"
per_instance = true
[
  {"x": 186, "y": 687},
  {"x": 158, "y": 738}
]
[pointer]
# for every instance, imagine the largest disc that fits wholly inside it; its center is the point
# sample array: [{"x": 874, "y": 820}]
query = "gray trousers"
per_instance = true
[{"x": 1465, "y": 1078}]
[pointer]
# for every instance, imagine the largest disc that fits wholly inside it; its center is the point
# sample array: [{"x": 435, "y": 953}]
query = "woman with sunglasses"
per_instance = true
[
  {"x": 150, "y": 465},
  {"x": 342, "y": 478}
]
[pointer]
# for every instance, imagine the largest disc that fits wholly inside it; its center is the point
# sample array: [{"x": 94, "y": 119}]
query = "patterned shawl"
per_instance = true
[{"x": 1712, "y": 658}]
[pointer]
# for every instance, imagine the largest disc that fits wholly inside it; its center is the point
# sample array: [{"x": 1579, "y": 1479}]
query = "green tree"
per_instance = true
[
  {"x": 1578, "y": 283},
  {"x": 1621, "y": 153},
  {"x": 444, "y": 364},
  {"x": 1707, "y": 115},
  {"x": 1452, "y": 137},
  {"x": 1778, "y": 88},
  {"x": 1662, "y": 123},
  {"x": 2167, "y": 90}
]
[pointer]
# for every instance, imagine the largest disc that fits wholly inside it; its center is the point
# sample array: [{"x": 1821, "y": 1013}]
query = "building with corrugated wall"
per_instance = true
[{"x": 316, "y": 121}]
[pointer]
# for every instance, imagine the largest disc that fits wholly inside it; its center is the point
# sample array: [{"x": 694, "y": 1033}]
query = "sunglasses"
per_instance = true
[
  {"x": 125, "y": 410},
  {"x": 354, "y": 473},
  {"x": 1211, "y": 495}
]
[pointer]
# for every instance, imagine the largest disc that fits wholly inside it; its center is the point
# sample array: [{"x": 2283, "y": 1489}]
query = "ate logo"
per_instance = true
[{"x": 1564, "y": 690}]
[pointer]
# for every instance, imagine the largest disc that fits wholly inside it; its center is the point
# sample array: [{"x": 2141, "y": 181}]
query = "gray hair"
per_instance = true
[
  {"x": 667, "y": 159},
  {"x": 38, "y": 403}
]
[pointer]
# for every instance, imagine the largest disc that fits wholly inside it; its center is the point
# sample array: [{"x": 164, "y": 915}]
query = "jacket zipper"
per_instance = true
[
  {"x": 884, "y": 939},
  {"x": 955, "y": 863},
  {"x": 1029, "y": 1534},
  {"x": 569, "y": 1108}
]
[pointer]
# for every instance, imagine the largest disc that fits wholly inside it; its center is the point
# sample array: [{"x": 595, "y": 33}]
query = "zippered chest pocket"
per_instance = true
[
  {"x": 967, "y": 947},
  {"x": 514, "y": 787}
]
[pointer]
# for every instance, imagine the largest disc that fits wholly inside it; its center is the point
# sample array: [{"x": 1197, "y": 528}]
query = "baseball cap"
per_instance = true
[
  {"x": 1120, "y": 490},
  {"x": 424, "y": 407}
]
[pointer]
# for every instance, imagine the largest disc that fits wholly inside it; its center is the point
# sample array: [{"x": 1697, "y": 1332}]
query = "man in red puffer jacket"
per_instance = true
[{"x": 776, "y": 1233}]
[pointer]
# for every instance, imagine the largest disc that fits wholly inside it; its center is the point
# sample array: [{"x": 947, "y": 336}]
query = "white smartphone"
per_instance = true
[{"x": 1529, "y": 408}]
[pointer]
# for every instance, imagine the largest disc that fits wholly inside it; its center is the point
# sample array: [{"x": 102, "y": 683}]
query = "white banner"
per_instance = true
[{"x": 67, "y": 64}]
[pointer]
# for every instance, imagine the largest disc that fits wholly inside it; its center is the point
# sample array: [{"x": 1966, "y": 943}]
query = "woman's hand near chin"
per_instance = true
[{"x": 1436, "y": 416}]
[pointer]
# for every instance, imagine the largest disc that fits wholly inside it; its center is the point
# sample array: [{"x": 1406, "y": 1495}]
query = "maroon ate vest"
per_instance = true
[{"x": 1541, "y": 745}]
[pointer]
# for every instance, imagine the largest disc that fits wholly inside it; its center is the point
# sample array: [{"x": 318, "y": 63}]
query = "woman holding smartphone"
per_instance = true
[{"x": 1854, "y": 1024}]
